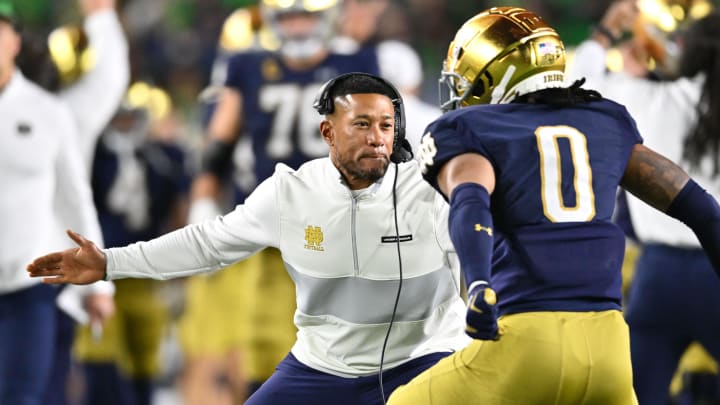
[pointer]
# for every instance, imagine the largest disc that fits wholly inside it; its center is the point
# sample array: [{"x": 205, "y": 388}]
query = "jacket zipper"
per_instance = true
[{"x": 356, "y": 266}]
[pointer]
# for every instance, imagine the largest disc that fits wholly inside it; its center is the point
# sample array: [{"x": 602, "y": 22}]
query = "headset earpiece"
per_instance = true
[
  {"x": 402, "y": 152},
  {"x": 323, "y": 104}
]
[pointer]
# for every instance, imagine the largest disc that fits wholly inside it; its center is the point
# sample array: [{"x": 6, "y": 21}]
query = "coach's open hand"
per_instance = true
[{"x": 84, "y": 264}]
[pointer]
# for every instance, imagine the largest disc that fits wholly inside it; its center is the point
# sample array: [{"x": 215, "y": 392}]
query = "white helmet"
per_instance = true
[{"x": 306, "y": 44}]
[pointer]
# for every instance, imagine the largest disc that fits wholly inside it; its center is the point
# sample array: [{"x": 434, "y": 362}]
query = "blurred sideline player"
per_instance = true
[
  {"x": 267, "y": 97},
  {"x": 140, "y": 184},
  {"x": 41, "y": 161},
  {"x": 215, "y": 324},
  {"x": 94, "y": 68},
  {"x": 647, "y": 81},
  {"x": 87, "y": 67}
]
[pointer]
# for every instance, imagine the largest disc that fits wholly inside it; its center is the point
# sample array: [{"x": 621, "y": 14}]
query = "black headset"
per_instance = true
[{"x": 402, "y": 152}]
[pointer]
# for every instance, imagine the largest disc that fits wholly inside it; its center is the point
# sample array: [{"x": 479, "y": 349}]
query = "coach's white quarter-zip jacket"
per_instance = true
[{"x": 341, "y": 250}]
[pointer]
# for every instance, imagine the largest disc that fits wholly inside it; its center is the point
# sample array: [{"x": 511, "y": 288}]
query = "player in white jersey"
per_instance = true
[
  {"x": 42, "y": 175},
  {"x": 365, "y": 242},
  {"x": 677, "y": 114},
  {"x": 94, "y": 98},
  {"x": 92, "y": 91}
]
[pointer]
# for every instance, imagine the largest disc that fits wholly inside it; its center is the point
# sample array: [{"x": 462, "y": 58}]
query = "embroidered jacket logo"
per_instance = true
[{"x": 314, "y": 238}]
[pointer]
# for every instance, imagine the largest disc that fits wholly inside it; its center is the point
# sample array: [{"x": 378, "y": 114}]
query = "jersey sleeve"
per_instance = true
[
  {"x": 73, "y": 196},
  {"x": 444, "y": 139},
  {"x": 632, "y": 129},
  {"x": 94, "y": 98},
  {"x": 370, "y": 56},
  {"x": 628, "y": 128},
  {"x": 235, "y": 71}
]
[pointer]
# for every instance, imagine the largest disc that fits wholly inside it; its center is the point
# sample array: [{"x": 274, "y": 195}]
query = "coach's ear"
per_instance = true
[{"x": 327, "y": 130}]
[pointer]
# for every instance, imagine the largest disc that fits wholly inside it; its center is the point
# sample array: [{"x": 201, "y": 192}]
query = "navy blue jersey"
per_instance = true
[
  {"x": 134, "y": 193},
  {"x": 277, "y": 104},
  {"x": 557, "y": 174}
]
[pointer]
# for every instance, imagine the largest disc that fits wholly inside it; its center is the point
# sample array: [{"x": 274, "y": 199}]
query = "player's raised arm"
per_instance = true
[
  {"x": 665, "y": 186},
  {"x": 84, "y": 264}
]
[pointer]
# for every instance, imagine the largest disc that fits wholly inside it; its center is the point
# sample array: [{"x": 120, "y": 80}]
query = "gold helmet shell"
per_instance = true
[
  {"x": 70, "y": 52},
  {"x": 499, "y": 54}
]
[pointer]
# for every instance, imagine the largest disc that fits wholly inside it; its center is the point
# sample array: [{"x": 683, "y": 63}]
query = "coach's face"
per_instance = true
[
  {"x": 9, "y": 49},
  {"x": 360, "y": 134}
]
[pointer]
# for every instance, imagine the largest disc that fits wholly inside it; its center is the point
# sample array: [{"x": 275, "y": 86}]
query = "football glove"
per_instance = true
[{"x": 482, "y": 312}]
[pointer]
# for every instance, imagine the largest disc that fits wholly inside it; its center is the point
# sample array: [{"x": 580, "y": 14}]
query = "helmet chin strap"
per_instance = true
[{"x": 499, "y": 90}]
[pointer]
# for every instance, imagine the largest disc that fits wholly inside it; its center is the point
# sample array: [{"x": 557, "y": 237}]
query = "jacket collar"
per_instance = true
[{"x": 15, "y": 80}]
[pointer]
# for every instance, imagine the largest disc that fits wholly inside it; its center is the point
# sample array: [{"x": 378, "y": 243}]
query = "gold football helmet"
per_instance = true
[
  {"x": 154, "y": 101},
  {"x": 239, "y": 31},
  {"x": 498, "y": 55},
  {"x": 70, "y": 53}
]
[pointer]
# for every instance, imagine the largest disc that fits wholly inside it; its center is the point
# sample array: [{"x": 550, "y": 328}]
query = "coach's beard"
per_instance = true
[{"x": 353, "y": 169}]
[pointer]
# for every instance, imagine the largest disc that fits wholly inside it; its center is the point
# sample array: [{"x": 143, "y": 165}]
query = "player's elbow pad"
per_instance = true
[
  {"x": 471, "y": 230},
  {"x": 217, "y": 158},
  {"x": 699, "y": 211}
]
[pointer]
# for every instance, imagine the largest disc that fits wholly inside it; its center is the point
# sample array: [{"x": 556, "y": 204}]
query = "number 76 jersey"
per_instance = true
[{"x": 557, "y": 173}]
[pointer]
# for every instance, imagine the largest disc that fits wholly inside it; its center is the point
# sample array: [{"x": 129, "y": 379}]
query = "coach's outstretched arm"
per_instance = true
[{"x": 84, "y": 264}]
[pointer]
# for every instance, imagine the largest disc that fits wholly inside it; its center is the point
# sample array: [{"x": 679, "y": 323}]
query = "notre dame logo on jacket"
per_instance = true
[{"x": 314, "y": 238}]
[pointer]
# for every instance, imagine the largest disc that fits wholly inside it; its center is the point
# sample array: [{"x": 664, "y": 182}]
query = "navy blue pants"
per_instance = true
[
  {"x": 673, "y": 300},
  {"x": 106, "y": 385},
  {"x": 27, "y": 344},
  {"x": 56, "y": 392},
  {"x": 294, "y": 383}
]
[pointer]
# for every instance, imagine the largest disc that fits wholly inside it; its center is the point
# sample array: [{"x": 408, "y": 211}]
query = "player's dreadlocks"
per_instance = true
[{"x": 702, "y": 55}]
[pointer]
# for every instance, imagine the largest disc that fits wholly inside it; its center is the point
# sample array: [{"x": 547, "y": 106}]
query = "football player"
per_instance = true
[
  {"x": 87, "y": 66},
  {"x": 531, "y": 168},
  {"x": 139, "y": 185},
  {"x": 42, "y": 160}
]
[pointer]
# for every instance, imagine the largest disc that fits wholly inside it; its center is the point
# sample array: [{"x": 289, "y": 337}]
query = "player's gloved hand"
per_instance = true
[{"x": 482, "y": 312}]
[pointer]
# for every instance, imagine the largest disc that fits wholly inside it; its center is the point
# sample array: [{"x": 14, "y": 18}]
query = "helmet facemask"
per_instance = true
[{"x": 304, "y": 43}]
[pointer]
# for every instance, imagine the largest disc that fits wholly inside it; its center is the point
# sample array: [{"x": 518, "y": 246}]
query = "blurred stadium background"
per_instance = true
[{"x": 173, "y": 42}]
